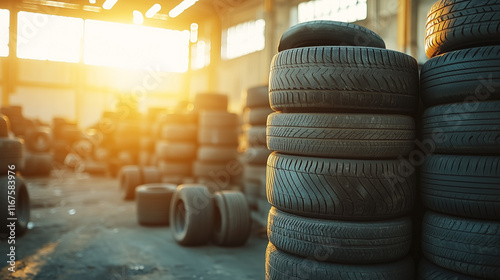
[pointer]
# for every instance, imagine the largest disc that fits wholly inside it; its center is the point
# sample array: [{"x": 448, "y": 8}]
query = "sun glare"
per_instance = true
[{"x": 4, "y": 32}]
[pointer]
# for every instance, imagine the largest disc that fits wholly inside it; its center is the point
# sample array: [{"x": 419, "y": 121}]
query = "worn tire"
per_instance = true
[
  {"x": 340, "y": 241},
  {"x": 232, "y": 221},
  {"x": 153, "y": 203},
  {"x": 256, "y": 135},
  {"x": 191, "y": 215},
  {"x": 328, "y": 33},
  {"x": 12, "y": 153},
  {"x": 341, "y": 135},
  {"x": 256, "y": 97},
  {"x": 467, "y": 186},
  {"x": 256, "y": 155},
  {"x": 464, "y": 128},
  {"x": 255, "y": 173},
  {"x": 218, "y": 136},
  {"x": 429, "y": 271},
  {"x": 176, "y": 151},
  {"x": 466, "y": 246},
  {"x": 283, "y": 266},
  {"x": 460, "y": 24},
  {"x": 256, "y": 116},
  {"x": 219, "y": 119},
  {"x": 343, "y": 79},
  {"x": 339, "y": 189},
  {"x": 469, "y": 75},
  {"x": 21, "y": 204}
]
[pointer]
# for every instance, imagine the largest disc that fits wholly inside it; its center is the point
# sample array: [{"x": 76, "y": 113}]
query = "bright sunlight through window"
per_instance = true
[
  {"x": 135, "y": 47},
  {"x": 4, "y": 32},
  {"x": 200, "y": 55},
  {"x": 338, "y": 10},
  {"x": 243, "y": 39},
  {"x": 47, "y": 37}
]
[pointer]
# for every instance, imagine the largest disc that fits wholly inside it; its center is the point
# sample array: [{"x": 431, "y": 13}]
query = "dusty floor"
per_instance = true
[{"x": 81, "y": 229}]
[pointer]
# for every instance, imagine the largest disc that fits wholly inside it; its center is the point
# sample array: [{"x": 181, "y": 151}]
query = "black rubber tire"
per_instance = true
[
  {"x": 175, "y": 168},
  {"x": 344, "y": 79},
  {"x": 465, "y": 75},
  {"x": 191, "y": 215},
  {"x": 153, "y": 203},
  {"x": 131, "y": 176},
  {"x": 339, "y": 189},
  {"x": 179, "y": 132},
  {"x": 21, "y": 205},
  {"x": 232, "y": 221},
  {"x": 283, "y": 266},
  {"x": 466, "y": 246},
  {"x": 467, "y": 186},
  {"x": 256, "y": 135},
  {"x": 256, "y": 116},
  {"x": 257, "y": 97},
  {"x": 210, "y": 101},
  {"x": 464, "y": 128},
  {"x": 328, "y": 33},
  {"x": 176, "y": 151},
  {"x": 4, "y": 126},
  {"x": 12, "y": 153},
  {"x": 340, "y": 241},
  {"x": 217, "y": 154},
  {"x": 37, "y": 164},
  {"x": 429, "y": 271},
  {"x": 218, "y": 136},
  {"x": 38, "y": 140},
  {"x": 460, "y": 24},
  {"x": 341, "y": 135},
  {"x": 256, "y": 155},
  {"x": 213, "y": 119}
]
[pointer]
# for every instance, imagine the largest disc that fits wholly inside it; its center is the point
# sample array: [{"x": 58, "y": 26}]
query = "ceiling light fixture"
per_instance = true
[
  {"x": 153, "y": 10},
  {"x": 138, "y": 17},
  {"x": 181, "y": 7},
  {"x": 109, "y": 4},
  {"x": 92, "y": 1}
]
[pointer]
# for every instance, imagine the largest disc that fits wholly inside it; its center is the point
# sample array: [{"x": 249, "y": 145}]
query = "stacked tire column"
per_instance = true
[
  {"x": 255, "y": 112},
  {"x": 337, "y": 213},
  {"x": 460, "y": 179}
]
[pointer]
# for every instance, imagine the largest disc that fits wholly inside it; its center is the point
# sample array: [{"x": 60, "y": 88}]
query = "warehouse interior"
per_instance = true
[{"x": 249, "y": 139}]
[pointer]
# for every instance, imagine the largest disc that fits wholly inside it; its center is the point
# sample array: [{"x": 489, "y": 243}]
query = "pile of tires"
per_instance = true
[
  {"x": 216, "y": 163},
  {"x": 176, "y": 146},
  {"x": 38, "y": 157},
  {"x": 197, "y": 216},
  {"x": 147, "y": 141},
  {"x": 343, "y": 126},
  {"x": 255, "y": 111},
  {"x": 460, "y": 178},
  {"x": 14, "y": 197},
  {"x": 64, "y": 135}
]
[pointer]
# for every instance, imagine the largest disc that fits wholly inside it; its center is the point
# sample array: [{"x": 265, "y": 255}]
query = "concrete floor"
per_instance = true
[{"x": 81, "y": 229}]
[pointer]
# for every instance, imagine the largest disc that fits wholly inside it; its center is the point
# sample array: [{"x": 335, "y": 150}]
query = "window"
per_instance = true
[
  {"x": 4, "y": 32},
  {"x": 200, "y": 55},
  {"x": 243, "y": 39},
  {"x": 338, "y": 10},
  {"x": 135, "y": 47},
  {"x": 47, "y": 37}
]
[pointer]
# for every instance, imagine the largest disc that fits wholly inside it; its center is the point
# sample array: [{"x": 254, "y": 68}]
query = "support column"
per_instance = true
[{"x": 10, "y": 64}]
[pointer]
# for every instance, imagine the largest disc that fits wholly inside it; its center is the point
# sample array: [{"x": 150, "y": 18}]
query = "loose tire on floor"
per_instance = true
[
  {"x": 339, "y": 189},
  {"x": 328, "y": 33},
  {"x": 283, "y": 266},
  {"x": 191, "y": 215},
  {"x": 460, "y": 24},
  {"x": 341, "y": 135},
  {"x": 429, "y": 271},
  {"x": 466, "y": 246},
  {"x": 469, "y": 75},
  {"x": 232, "y": 221},
  {"x": 467, "y": 186},
  {"x": 13, "y": 189},
  {"x": 464, "y": 128},
  {"x": 343, "y": 79},
  {"x": 340, "y": 241},
  {"x": 153, "y": 203}
]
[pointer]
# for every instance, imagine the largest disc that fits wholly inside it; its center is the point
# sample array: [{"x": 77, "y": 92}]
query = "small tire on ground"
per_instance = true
[
  {"x": 153, "y": 203},
  {"x": 191, "y": 215},
  {"x": 232, "y": 222}
]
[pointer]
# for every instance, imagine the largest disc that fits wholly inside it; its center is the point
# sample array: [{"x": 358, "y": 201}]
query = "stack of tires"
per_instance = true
[
  {"x": 64, "y": 135},
  {"x": 460, "y": 179},
  {"x": 341, "y": 127},
  {"x": 38, "y": 157},
  {"x": 255, "y": 111},
  {"x": 216, "y": 164},
  {"x": 177, "y": 146},
  {"x": 14, "y": 197}
]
